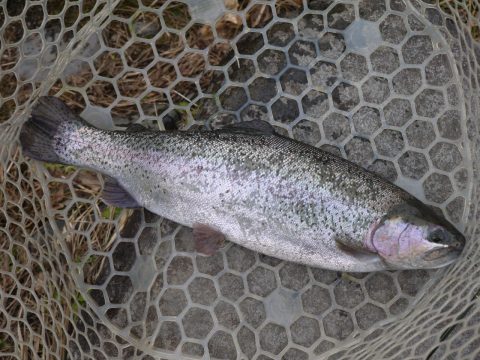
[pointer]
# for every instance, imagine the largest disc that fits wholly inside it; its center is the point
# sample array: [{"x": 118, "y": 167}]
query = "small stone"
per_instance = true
[
  {"x": 241, "y": 70},
  {"x": 389, "y": 142},
  {"x": 246, "y": 341},
  {"x": 369, "y": 315},
  {"x": 434, "y": 16},
  {"x": 272, "y": 62},
  {"x": 168, "y": 337},
  {"x": 376, "y": 90},
  {"x": 461, "y": 179},
  {"x": 192, "y": 349},
  {"x": 255, "y": 112},
  {"x": 202, "y": 291},
  {"x": 420, "y": 134},
  {"x": 262, "y": 89},
  {"x": 415, "y": 23},
  {"x": 354, "y": 67},
  {"x": 345, "y": 97},
  {"x": 273, "y": 338},
  {"x": 393, "y": 29},
  {"x": 338, "y": 324},
  {"x": 184, "y": 240},
  {"x": 280, "y": 34},
  {"x": 319, "y": 4},
  {"x": 381, "y": 287},
  {"x": 147, "y": 241},
  {"x": 210, "y": 265},
  {"x": 197, "y": 323},
  {"x": 398, "y": 306},
  {"x": 294, "y": 81},
  {"x": 305, "y": 331},
  {"x": 227, "y": 315},
  {"x": 285, "y": 110},
  {"x": 324, "y": 74},
  {"x": 261, "y": 281},
  {"x": 124, "y": 256},
  {"x": 118, "y": 317},
  {"x": 439, "y": 71},
  {"x": 372, "y": 10},
  {"x": 119, "y": 289},
  {"x": 397, "y": 5},
  {"x": 366, "y": 120},
  {"x": 253, "y": 311},
  {"x": 413, "y": 165},
  {"x": 295, "y": 354},
  {"x": 332, "y": 45},
  {"x": 417, "y": 49},
  {"x": 233, "y": 98},
  {"x": 437, "y": 188},
  {"x": 315, "y": 103},
  {"x": 455, "y": 209},
  {"x": 302, "y": 53},
  {"x": 316, "y": 300},
  {"x": 250, "y": 43},
  {"x": 172, "y": 302},
  {"x": 137, "y": 306},
  {"x": 341, "y": 16},
  {"x": 331, "y": 149},
  {"x": 221, "y": 346},
  {"x": 411, "y": 281},
  {"x": 385, "y": 60},
  {"x": 336, "y": 127},
  {"x": 269, "y": 260},
  {"x": 323, "y": 347},
  {"x": 307, "y": 132},
  {"x": 310, "y": 26},
  {"x": 445, "y": 156},
  {"x": 294, "y": 276},
  {"x": 449, "y": 125},
  {"x": 348, "y": 293},
  {"x": 407, "y": 81},
  {"x": 179, "y": 270},
  {"x": 398, "y": 112},
  {"x": 240, "y": 258},
  {"x": 324, "y": 276},
  {"x": 385, "y": 169},
  {"x": 429, "y": 103},
  {"x": 231, "y": 286},
  {"x": 359, "y": 151}
]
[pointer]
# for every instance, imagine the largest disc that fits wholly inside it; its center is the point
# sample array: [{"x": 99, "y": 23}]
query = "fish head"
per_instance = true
[{"x": 413, "y": 237}]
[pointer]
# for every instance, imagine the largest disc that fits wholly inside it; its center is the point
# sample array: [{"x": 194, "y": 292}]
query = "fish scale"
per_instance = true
[
  {"x": 261, "y": 190},
  {"x": 265, "y": 192}
]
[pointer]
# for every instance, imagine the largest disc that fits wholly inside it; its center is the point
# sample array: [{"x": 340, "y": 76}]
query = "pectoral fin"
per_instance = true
[
  {"x": 114, "y": 194},
  {"x": 207, "y": 239}
]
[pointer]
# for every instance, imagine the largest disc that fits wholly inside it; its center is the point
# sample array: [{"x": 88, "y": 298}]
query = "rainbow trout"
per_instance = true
[{"x": 247, "y": 184}]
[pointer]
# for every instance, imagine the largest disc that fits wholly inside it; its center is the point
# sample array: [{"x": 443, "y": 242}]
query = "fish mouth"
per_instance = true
[{"x": 442, "y": 256}]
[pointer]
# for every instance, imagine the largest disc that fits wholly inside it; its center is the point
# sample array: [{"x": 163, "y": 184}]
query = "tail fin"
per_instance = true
[{"x": 50, "y": 118}]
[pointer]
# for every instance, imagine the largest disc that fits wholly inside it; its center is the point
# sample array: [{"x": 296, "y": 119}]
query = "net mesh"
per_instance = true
[{"x": 389, "y": 84}]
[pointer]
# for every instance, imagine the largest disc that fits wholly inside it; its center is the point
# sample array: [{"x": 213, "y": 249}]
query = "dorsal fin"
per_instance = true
[
  {"x": 251, "y": 127},
  {"x": 135, "y": 128}
]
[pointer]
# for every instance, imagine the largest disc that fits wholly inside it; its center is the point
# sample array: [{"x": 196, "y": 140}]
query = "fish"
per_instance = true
[{"x": 247, "y": 184}]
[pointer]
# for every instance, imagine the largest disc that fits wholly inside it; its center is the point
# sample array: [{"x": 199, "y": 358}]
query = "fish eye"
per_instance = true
[{"x": 437, "y": 236}]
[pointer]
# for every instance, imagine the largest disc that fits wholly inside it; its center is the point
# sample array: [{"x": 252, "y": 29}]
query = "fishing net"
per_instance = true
[{"x": 389, "y": 84}]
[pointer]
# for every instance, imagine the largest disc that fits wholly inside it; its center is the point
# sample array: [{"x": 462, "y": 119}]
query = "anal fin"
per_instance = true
[
  {"x": 114, "y": 194},
  {"x": 207, "y": 239}
]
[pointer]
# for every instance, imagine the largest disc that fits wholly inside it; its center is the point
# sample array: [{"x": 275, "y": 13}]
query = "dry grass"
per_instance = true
[{"x": 61, "y": 302}]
